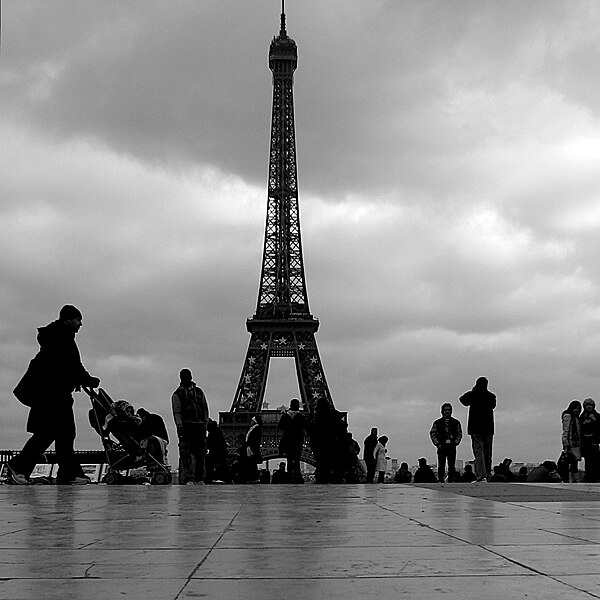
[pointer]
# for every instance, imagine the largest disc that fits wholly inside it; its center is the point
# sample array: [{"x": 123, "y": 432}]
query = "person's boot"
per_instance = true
[{"x": 17, "y": 478}]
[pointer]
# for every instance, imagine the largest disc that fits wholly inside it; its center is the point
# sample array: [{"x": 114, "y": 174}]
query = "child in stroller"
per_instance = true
[{"x": 141, "y": 439}]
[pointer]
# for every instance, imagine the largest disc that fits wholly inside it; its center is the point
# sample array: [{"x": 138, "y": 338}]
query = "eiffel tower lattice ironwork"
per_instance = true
[{"x": 282, "y": 325}]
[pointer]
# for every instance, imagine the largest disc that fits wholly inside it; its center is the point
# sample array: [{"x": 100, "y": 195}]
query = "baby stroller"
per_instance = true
[{"x": 110, "y": 420}]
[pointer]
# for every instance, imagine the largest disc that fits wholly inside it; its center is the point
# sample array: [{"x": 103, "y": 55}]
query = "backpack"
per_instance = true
[{"x": 27, "y": 390}]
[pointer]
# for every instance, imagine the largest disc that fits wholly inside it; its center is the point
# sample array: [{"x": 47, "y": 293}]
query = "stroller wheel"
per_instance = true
[
  {"x": 160, "y": 478},
  {"x": 169, "y": 478},
  {"x": 110, "y": 478}
]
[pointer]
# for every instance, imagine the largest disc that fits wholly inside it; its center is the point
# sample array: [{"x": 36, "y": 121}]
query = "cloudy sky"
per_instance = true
[{"x": 448, "y": 163}]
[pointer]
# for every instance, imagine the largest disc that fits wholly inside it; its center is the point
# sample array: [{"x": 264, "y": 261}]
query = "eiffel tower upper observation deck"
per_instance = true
[{"x": 282, "y": 324}]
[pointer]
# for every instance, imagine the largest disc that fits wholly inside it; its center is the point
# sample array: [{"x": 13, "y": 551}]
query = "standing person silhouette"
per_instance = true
[
  {"x": 480, "y": 426},
  {"x": 53, "y": 375},
  {"x": 380, "y": 458},
  {"x": 368, "y": 456},
  {"x": 190, "y": 412},
  {"x": 251, "y": 455},
  {"x": 293, "y": 425},
  {"x": 446, "y": 434},
  {"x": 322, "y": 429},
  {"x": 589, "y": 423},
  {"x": 571, "y": 438}
]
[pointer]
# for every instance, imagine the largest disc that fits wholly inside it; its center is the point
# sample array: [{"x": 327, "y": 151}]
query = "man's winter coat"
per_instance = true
[
  {"x": 481, "y": 403},
  {"x": 58, "y": 369},
  {"x": 443, "y": 431}
]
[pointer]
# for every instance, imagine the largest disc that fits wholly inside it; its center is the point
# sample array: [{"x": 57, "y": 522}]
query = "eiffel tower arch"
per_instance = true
[{"x": 282, "y": 325}]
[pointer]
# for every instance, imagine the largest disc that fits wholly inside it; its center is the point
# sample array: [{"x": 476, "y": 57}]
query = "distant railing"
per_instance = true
[{"x": 83, "y": 456}]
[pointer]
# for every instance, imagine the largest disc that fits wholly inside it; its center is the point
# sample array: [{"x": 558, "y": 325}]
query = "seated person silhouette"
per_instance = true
[
  {"x": 280, "y": 476},
  {"x": 424, "y": 474},
  {"x": 403, "y": 474}
]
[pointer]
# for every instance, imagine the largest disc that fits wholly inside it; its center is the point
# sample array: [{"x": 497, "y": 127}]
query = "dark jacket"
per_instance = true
[
  {"x": 59, "y": 360},
  {"x": 403, "y": 476},
  {"x": 369, "y": 447},
  {"x": 153, "y": 424},
  {"x": 189, "y": 405},
  {"x": 58, "y": 368},
  {"x": 590, "y": 430},
  {"x": 293, "y": 425},
  {"x": 216, "y": 445},
  {"x": 440, "y": 435},
  {"x": 425, "y": 474},
  {"x": 481, "y": 403},
  {"x": 543, "y": 474}
]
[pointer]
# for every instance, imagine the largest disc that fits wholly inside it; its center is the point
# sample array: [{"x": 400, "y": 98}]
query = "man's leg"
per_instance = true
[
  {"x": 451, "y": 456},
  {"x": 199, "y": 453},
  {"x": 370, "y": 470},
  {"x": 185, "y": 458},
  {"x": 593, "y": 459},
  {"x": 441, "y": 456},
  {"x": 477, "y": 444},
  {"x": 31, "y": 454},
  {"x": 488, "y": 439},
  {"x": 68, "y": 465},
  {"x": 297, "y": 477}
]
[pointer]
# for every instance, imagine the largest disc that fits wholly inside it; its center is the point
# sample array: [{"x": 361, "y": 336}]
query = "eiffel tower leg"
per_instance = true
[
  {"x": 253, "y": 380},
  {"x": 311, "y": 376}
]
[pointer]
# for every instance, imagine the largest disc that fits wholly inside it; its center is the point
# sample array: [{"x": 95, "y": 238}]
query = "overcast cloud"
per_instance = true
[{"x": 448, "y": 158}]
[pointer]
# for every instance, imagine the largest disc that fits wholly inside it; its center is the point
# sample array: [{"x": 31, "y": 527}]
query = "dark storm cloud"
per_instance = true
[{"x": 395, "y": 98}]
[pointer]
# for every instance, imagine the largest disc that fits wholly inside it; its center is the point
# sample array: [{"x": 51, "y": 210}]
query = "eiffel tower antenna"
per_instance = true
[{"x": 283, "y": 32}]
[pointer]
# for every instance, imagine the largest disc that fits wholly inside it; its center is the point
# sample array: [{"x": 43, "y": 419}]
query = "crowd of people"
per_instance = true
[{"x": 204, "y": 455}]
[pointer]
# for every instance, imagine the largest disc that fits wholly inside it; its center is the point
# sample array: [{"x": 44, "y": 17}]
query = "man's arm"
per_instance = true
[
  {"x": 176, "y": 403},
  {"x": 458, "y": 432},
  {"x": 465, "y": 399},
  {"x": 434, "y": 436},
  {"x": 203, "y": 406}
]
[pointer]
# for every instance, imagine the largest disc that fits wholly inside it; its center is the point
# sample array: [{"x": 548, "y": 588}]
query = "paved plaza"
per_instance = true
[{"x": 290, "y": 542}]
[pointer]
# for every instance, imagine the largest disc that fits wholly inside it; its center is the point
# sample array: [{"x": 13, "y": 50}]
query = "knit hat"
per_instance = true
[{"x": 68, "y": 312}]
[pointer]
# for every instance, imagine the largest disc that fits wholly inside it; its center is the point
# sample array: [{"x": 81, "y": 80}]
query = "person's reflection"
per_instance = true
[{"x": 49, "y": 536}]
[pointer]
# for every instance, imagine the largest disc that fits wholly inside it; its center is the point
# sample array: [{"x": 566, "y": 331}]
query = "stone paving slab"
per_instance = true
[
  {"x": 520, "y": 492},
  {"x": 477, "y": 541}
]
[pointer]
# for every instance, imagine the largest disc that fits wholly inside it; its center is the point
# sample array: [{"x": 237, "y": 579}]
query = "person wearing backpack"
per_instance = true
[{"x": 190, "y": 412}]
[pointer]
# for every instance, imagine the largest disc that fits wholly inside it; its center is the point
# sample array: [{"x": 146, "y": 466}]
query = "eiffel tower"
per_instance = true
[{"x": 282, "y": 325}]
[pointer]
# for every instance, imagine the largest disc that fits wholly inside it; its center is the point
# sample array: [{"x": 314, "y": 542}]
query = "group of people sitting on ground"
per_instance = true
[{"x": 546, "y": 472}]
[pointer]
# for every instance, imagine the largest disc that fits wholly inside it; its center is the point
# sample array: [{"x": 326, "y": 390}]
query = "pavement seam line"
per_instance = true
[
  {"x": 205, "y": 558},
  {"x": 487, "y": 549},
  {"x": 552, "y": 577}
]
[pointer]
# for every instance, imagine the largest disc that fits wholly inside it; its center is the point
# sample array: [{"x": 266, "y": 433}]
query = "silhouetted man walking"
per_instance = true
[
  {"x": 480, "y": 427},
  {"x": 53, "y": 375}
]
